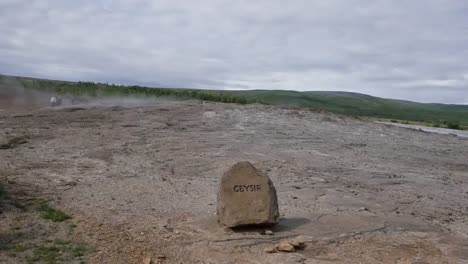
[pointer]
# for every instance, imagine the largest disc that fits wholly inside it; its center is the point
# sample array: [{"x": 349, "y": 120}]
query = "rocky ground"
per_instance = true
[{"x": 139, "y": 184}]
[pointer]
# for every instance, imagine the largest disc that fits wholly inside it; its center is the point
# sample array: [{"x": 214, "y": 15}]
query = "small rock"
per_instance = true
[
  {"x": 419, "y": 262},
  {"x": 363, "y": 209},
  {"x": 146, "y": 260},
  {"x": 269, "y": 232},
  {"x": 289, "y": 245},
  {"x": 285, "y": 246},
  {"x": 270, "y": 250},
  {"x": 14, "y": 142},
  {"x": 71, "y": 183},
  {"x": 297, "y": 244}
]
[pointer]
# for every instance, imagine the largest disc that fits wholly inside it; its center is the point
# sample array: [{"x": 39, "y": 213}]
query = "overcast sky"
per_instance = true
[{"x": 415, "y": 50}]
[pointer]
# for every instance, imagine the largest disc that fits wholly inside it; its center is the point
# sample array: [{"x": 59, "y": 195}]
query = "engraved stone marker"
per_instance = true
[{"x": 246, "y": 197}]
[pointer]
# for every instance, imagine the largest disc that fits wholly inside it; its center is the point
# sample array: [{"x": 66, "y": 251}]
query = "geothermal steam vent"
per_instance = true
[{"x": 246, "y": 197}]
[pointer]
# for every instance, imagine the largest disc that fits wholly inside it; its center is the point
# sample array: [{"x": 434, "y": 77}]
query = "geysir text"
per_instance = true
[{"x": 247, "y": 188}]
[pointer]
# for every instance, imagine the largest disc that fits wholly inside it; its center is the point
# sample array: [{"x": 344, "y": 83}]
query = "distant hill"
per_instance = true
[
  {"x": 338, "y": 102},
  {"x": 364, "y": 105}
]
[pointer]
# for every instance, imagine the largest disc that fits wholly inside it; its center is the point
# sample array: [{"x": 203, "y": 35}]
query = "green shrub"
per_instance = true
[
  {"x": 50, "y": 213},
  {"x": 453, "y": 126}
]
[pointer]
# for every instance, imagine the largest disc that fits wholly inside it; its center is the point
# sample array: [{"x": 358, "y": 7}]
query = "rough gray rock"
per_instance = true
[{"x": 246, "y": 197}]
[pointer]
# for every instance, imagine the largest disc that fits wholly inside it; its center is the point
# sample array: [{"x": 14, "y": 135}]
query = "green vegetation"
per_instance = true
[
  {"x": 453, "y": 126},
  {"x": 100, "y": 89},
  {"x": 50, "y": 213},
  {"x": 338, "y": 102},
  {"x": 58, "y": 251},
  {"x": 367, "y": 106}
]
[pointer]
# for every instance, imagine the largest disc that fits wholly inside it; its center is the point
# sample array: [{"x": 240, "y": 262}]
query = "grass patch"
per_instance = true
[
  {"x": 53, "y": 214},
  {"x": 20, "y": 248},
  {"x": 58, "y": 251}
]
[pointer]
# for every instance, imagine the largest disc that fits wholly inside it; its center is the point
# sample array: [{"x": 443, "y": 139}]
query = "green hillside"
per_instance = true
[
  {"x": 364, "y": 105},
  {"x": 338, "y": 102}
]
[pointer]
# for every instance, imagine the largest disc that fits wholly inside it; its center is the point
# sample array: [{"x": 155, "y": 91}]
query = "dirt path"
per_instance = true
[{"x": 140, "y": 184}]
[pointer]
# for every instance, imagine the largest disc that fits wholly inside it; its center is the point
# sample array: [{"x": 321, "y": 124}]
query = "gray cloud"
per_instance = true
[{"x": 414, "y": 50}]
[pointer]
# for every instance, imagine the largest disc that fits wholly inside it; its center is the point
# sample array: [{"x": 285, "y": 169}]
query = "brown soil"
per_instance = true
[{"x": 140, "y": 185}]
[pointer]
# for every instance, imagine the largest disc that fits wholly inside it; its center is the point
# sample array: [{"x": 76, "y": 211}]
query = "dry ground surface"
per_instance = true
[{"x": 140, "y": 186}]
